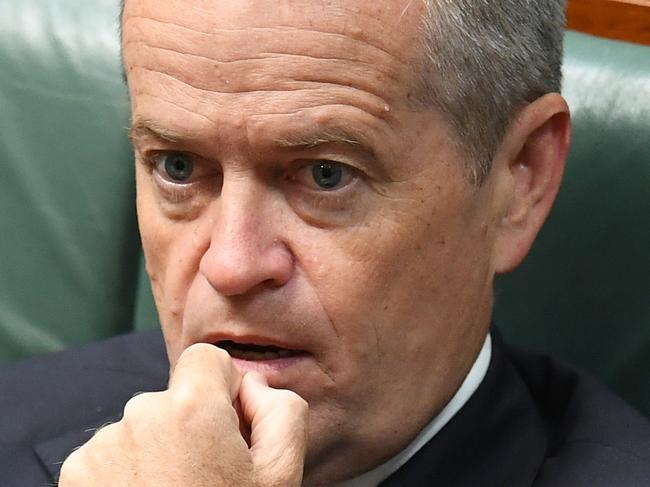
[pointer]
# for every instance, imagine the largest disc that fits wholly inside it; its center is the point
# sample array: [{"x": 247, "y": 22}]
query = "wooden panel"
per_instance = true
[{"x": 627, "y": 20}]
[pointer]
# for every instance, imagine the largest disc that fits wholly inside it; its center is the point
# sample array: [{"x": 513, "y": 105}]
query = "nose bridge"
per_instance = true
[
  {"x": 245, "y": 247},
  {"x": 237, "y": 218}
]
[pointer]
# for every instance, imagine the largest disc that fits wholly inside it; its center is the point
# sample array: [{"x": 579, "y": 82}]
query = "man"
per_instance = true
[{"x": 325, "y": 194}]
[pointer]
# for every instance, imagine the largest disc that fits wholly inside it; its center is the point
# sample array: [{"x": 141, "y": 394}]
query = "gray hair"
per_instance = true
[{"x": 483, "y": 61}]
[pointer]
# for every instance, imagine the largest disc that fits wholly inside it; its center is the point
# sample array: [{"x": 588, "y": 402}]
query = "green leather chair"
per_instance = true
[
  {"x": 70, "y": 265},
  {"x": 68, "y": 239}
]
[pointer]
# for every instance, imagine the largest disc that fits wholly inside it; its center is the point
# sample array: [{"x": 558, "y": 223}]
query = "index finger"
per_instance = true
[{"x": 206, "y": 368}]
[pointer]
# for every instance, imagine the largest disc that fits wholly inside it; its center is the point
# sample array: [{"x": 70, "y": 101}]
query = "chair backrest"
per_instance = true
[{"x": 69, "y": 245}]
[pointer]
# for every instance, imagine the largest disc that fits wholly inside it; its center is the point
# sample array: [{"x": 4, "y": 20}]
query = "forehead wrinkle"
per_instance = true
[
  {"x": 354, "y": 65},
  {"x": 217, "y": 37},
  {"x": 383, "y": 25},
  {"x": 376, "y": 72},
  {"x": 249, "y": 76},
  {"x": 264, "y": 55},
  {"x": 157, "y": 99},
  {"x": 320, "y": 95}
]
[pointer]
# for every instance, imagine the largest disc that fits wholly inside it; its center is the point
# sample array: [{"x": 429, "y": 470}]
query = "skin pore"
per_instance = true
[{"x": 289, "y": 194}]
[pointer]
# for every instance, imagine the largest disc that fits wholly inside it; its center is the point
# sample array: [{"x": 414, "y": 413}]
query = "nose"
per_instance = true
[{"x": 245, "y": 249}]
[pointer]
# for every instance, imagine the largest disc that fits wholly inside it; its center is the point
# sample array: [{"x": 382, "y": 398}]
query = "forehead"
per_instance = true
[
  {"x": 245, "y": 46},
  {"x": 240, "y": 75},
  {"x": 390, "y": 25}
]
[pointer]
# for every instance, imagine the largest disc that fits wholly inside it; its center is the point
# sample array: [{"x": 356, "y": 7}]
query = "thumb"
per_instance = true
[{"x": 278, "y": 421}]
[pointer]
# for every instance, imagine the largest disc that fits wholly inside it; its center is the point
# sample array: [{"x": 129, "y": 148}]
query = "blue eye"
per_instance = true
[
  {"x": 178, "y": 167},
  {"x": 327, "y": 175}
]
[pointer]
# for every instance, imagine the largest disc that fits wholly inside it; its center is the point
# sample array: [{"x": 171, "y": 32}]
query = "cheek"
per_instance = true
[
  {"x": 351, "y": 273},
  {"x": 399, "y": 283},
  {"x": 357, "y": 278},
  {"x": 172, "y": 252},
  {"x": 404, "y": 315},
  {"x": 155, "y": 240}
]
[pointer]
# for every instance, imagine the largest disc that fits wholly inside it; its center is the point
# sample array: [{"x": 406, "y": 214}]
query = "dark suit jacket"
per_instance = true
[{"x": 531, "y": 421}]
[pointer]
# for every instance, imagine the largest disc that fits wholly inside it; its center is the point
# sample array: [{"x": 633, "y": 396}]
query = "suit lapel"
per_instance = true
[
  {"x": 54, "y": 451},
  {"x": 498, "y": 438}
]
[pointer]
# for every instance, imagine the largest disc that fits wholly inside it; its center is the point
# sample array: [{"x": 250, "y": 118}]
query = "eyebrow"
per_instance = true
[
  {"x": 143, "y": 127},
  {"x": 322, "y": 137}
]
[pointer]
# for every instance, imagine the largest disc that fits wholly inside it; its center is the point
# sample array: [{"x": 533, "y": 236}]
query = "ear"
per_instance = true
[{"x": 528, "y": 173}]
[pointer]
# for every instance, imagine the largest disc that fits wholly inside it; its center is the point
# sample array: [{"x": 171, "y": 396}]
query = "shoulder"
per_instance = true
[
  {"x": 595, "y": 438},
  {"x": 69, "y": 392},
  {"x": 74, "y": 382}
]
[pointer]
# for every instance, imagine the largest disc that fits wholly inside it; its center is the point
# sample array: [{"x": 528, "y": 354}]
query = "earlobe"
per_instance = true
[{"x": 533, "y": 155}]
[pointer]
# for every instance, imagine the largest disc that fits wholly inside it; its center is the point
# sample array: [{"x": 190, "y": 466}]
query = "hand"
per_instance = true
[{"x": 189, "y": 435}]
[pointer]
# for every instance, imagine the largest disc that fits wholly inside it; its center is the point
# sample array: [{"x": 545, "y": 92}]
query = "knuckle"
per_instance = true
[
  {"x": 199, "y": 368},
  {"x": 105, "y": 435},
  {"x": 201, "y": 357},
  {"x": 184, "y": 399},
  {"x": 195, "y": 350},
  {"x": 206, "y": 356},
  {"x": 189, "y": 399},
  {"x": 139, "y": 407},
  {"x": 205, "y": 352},
  {"x": 221, "y": 355}
]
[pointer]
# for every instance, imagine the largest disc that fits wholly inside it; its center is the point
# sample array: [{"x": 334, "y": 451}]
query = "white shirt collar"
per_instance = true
[{"x": 466, "y": 390}]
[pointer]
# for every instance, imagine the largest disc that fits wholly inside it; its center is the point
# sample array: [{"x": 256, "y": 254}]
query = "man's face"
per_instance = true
[{"x": 290, "y": 195}]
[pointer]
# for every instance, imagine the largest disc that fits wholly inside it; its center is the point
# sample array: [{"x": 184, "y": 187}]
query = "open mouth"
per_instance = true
[{"x": 251, "y": 351}]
